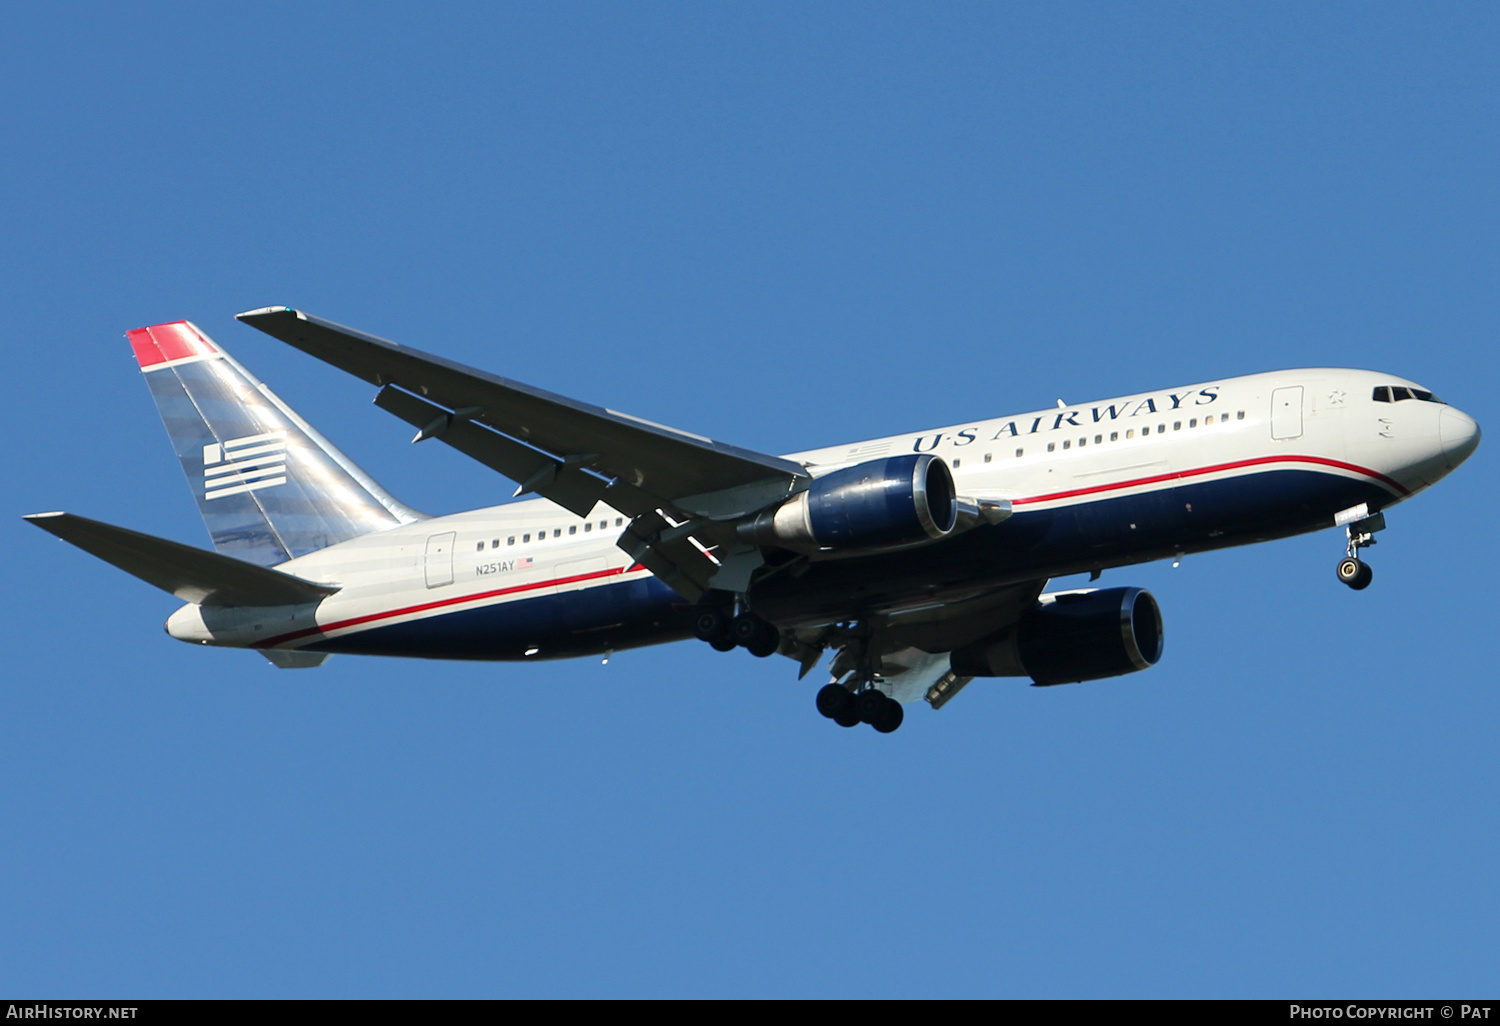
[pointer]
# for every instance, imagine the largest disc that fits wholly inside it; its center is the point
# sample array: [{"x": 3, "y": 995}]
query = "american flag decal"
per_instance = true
[{"x": 244, "y": 464}]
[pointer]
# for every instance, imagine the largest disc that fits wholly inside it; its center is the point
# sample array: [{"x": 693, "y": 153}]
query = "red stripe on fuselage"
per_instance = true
[
  {"x": 1199, "y": 471},
  {"x": 423, "y": 607}
]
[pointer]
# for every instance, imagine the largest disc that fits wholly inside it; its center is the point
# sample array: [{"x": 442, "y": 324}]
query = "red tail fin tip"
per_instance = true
[{"x": 165, "y": 343}]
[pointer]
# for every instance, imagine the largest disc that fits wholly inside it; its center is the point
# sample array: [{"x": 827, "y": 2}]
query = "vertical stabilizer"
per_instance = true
[{"x": 269, "y": 487}]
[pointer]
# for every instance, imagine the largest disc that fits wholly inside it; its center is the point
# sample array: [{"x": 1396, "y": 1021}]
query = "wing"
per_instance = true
[{"x": 672, "y": 483}]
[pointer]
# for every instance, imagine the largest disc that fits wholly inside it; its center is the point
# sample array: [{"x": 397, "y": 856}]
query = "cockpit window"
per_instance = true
[{"x": 1396, "y": 393}]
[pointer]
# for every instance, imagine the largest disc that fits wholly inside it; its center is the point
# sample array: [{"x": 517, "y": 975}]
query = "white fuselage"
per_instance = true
[{"x": 1320, "y": 420}]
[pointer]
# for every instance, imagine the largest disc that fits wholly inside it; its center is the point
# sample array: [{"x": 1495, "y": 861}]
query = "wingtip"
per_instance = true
[{"x": 267, "y": 311}]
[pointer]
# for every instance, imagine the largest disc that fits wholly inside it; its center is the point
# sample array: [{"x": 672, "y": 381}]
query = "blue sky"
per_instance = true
[{"x": 783, "y": 226}]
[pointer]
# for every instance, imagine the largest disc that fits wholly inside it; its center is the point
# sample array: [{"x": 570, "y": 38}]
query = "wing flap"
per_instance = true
[
  {"x": 668, "y": 552},
  {"x": 562, "y": 482},
  {"x": 193, "y": 575}
]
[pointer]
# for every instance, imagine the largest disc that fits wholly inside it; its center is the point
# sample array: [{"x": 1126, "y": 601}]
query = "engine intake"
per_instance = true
[
  {"x": 1071, "y": 637},
  {"x": 888, "y": 503}
]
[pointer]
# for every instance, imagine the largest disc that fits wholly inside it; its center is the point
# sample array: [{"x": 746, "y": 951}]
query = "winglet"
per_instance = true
[{"x": 162, "y": 345}]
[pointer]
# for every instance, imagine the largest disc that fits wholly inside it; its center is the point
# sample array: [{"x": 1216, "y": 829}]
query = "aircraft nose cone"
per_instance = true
[{"x": 1460, "y": 435}]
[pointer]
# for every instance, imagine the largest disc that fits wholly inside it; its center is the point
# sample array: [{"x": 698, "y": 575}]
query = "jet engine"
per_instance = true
[
  {"x": 882, "y": 504},
  {"x": 1071, "y": 637}
]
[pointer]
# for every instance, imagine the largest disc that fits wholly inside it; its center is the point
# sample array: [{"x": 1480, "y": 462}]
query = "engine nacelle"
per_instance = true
[
  {"x": 882, "y": 504},
  {"x": 1071, "y": 637}
]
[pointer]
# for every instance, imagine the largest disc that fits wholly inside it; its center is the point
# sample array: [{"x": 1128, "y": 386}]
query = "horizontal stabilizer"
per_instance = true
[{"x": 193, "y": 575}]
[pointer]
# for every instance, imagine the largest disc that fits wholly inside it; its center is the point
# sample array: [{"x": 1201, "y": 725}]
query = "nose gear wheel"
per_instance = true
[{"x": 1355, "y": 572}]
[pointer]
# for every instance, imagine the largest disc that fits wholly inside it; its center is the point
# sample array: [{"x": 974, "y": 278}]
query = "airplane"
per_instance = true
[{"x": 919, "y": 560}]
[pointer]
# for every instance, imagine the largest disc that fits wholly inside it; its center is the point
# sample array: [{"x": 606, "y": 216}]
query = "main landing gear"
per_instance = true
[
  {"x": 726, "y": 633},
  {"x": 1352, "y": 570},
  {"x": 848, "y": 708}
]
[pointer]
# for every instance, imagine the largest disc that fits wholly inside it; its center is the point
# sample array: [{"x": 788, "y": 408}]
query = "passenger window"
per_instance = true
[
  {"x": 1130, "y": 433},
  {"x": 1067, "y": 444},
  {"x": 1020, "y": 453},
  {"x": 1082, "y": 442},
  {"x": 1161, "y": 429},
  {"x": 1098, "y": 439},
  {"x": 1240, "y": 415},
  {"x": 557, "y": 532},
  {"x": 619, "y": 521},
  {"x": 1146, "y": 430},
  {"x": 1114, "y": 436},
  {"x": 481, "y": 546},
  {"x": 955, "y": 463},
  {"x": 1193, "y": 423},
  {"x": 525, "y": 538},
  {"x": 511, "y": 540},
  {"x": 1176, "y": 425},
  {"x": 603, "y": 524},
  {"x": 588, "y": 527},
  {"x": 1051, "y": 446},
  {"x": 987, "y": 456}
]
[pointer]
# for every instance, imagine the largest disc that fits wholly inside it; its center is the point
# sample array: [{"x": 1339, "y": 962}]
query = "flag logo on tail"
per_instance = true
[{"x": 244, "y": 464}]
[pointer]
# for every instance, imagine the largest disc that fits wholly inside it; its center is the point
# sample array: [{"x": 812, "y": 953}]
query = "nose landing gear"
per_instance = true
[{"x": 1352, "y": 570}]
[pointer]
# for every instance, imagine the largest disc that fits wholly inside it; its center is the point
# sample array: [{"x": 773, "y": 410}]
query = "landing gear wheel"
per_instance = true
[
  {"x": 724, "y": 644},
  {"x": 890, "y": 717},
  {"x": 1355, "y": 573},
  {"x": 709, "y": 624},
  {"x": 758, "y": 636},
  {"x": 834, "y": 699},
  {"x": 848, "y": 717},
  {"x": 870, "y": 705},
  {"x": 766, "y": 642},
  {"x": 744, "y": 628}
]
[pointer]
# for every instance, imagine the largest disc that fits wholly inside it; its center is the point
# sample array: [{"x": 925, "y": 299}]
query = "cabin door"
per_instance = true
[
  {"x": 439, "y": 562},
  {"x": 1286, "y": 412}
]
